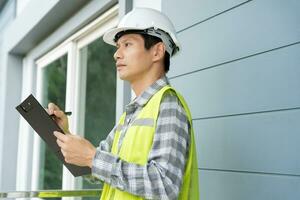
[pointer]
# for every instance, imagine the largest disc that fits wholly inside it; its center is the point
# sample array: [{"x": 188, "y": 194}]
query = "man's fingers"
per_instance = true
[
  {"x": 63, "y": 153},
  {"x": 52, "y": 107},
  {"x": 60, "y": 136},
  {"x": 66, "y": 155},
  {"x": 60, "y": 144},
  {"x": 59, "y": 113}
]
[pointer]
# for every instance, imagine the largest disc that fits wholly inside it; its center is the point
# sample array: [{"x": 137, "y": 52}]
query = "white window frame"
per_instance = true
[
  {"x": 75, "y": 84},
  {"x": 65, "y": 48}
]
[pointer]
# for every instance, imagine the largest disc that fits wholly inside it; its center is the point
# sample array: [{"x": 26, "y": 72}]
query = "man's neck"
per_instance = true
[{"x": 141, "y": 85}]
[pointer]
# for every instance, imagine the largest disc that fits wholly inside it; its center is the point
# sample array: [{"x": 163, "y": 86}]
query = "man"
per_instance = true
[{"x": 150, "y": 153}]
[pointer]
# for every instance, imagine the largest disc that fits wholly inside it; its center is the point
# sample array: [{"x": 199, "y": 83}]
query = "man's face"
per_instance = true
[{"x": 133, "y": 61}]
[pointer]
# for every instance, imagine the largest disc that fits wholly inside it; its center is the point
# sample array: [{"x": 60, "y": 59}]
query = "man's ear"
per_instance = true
[{"x": 158, "y": 51}]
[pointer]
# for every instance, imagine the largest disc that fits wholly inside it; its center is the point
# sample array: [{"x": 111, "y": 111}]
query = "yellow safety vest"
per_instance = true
[{"x": 137, "y": 144}]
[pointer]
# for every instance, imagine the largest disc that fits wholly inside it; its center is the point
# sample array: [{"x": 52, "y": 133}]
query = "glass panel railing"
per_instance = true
[{"x": 51, "y": 193}]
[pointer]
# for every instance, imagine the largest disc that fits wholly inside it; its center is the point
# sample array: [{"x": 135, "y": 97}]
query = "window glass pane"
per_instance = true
[
  {"x": 53, "y": 90},
  {"x": 100, "y": 93}
]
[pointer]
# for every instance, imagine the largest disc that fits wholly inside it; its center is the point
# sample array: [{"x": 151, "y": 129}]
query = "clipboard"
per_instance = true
[{"x": 43, "y": 124}]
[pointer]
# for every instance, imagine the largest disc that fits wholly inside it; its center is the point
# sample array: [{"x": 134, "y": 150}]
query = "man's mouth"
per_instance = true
[{"x": 120, "y": 66}]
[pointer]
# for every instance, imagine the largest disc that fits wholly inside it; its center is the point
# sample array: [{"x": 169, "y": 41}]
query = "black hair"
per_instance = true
[{"x": 149, "y": 41}]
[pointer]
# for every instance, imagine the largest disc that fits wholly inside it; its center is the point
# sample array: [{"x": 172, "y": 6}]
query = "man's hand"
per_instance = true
[
  {"x": 60, "y": 117},
  {"x": 76, "y": 150}
]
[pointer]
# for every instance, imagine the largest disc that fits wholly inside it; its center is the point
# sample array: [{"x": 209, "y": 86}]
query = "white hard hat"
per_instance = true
[{"x": 148, "y": 21}]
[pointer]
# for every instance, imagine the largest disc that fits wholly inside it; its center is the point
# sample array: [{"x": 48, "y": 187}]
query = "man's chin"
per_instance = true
[{"x": 123, "y": 77}]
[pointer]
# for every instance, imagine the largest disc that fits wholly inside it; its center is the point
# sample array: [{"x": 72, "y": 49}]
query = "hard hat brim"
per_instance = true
[{"x": 109, "y": 36}]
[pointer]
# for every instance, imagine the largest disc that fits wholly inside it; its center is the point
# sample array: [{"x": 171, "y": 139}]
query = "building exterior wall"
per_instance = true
[
  {"x": 7, "y": 15},
  {"x": 239, "y": 72}
]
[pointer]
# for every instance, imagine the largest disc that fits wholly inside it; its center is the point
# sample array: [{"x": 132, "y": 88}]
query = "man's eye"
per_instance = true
[{"x": 126, "y": 44}]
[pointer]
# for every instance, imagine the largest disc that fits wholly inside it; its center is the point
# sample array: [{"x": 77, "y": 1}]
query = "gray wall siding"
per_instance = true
[{"x": 239, "y": 72}]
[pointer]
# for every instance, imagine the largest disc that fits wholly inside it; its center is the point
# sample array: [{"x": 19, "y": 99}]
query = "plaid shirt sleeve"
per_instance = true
[
  {"x": 162, "y": 177},
  {"x": 105, "y": 145}
]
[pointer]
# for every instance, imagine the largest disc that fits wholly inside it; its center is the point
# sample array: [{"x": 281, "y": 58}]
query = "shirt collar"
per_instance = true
[{"x": 142, "y": 99}]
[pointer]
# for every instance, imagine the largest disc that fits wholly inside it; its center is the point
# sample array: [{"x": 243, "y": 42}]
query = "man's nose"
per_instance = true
[{"x": 117, "y": 54}]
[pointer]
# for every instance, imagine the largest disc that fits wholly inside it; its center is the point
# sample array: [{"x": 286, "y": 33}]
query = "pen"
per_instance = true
[{"x": 66, "y": 113}]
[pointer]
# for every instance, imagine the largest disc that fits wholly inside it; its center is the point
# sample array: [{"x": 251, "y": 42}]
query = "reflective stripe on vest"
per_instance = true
[{"x": 137, "y": 144}]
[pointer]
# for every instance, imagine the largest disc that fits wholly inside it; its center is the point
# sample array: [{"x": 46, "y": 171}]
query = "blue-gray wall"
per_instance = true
[{"x": 239, "y": 70}]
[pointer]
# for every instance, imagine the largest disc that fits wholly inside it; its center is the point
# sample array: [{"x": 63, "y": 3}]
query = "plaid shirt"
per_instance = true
[{"x": 162, "y": 176}]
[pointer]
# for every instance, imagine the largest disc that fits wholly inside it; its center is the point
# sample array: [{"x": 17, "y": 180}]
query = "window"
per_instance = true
[
  {"x": 54, "y": 90},
  {"x": 100, "y": 91},
  {"x": 80, "y": 76}
]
